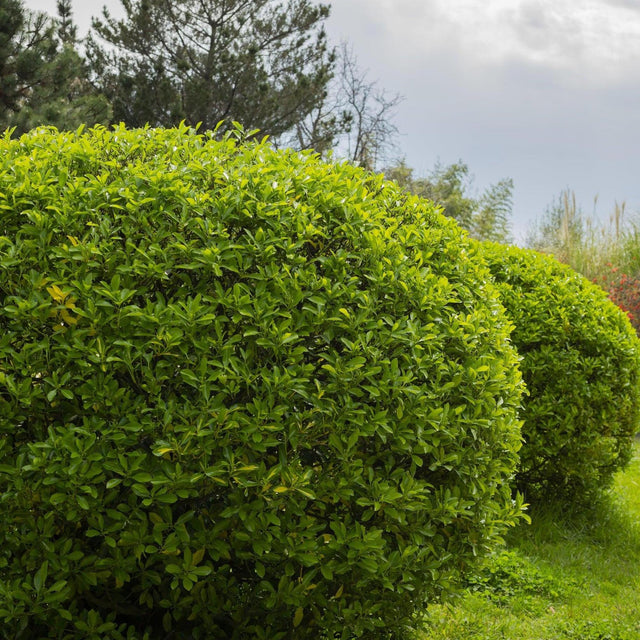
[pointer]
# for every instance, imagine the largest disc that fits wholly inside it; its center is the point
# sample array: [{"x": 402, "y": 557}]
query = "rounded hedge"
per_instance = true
[
  {"x": 243, "y": 393},
  {"x": 581, "y": 366}
]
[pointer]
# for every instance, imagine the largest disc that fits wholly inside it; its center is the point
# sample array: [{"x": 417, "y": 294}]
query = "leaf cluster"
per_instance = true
[{"x": 243, "y": 393}]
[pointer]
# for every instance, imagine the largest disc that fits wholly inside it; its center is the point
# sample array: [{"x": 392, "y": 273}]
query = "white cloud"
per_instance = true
[{"x": 597, "y": 39}]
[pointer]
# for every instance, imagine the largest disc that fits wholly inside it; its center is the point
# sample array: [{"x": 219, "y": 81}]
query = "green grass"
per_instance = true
[{"x": 570, "y": 574}]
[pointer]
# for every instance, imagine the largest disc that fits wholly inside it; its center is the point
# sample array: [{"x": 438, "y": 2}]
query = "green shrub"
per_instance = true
[
  {"x": 581, "y": 365},
  {"x": 243, "y": 393}
]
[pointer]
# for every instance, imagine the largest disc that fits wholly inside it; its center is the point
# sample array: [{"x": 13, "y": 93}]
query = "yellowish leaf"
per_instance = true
[
  {"x": 297, "y": 617},
  {"x": 197, "y": 557},
  {"x": 56, "y": 293},
  {"x": 68, "y": 318}
]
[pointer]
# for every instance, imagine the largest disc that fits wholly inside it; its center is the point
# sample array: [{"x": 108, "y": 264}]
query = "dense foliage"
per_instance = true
[
  {"x": 581, "y": 366},
  {"x": 242, "y": 393}
]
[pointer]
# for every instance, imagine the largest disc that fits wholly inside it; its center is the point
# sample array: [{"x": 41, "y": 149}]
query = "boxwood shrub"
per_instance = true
[
  {"x": 243, "y": 393},
  {"x": 580, "y": 362}
]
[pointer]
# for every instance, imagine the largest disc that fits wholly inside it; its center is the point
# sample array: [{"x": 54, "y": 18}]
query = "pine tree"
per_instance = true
[
  {"x": 67, "y": 30},
  {"x": 263, "y": 63},
  {"x": 50, "y": 78},
  {"x": 26, "y": 44}
]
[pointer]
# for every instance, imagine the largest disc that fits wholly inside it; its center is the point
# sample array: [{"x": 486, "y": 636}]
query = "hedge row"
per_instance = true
[{"x": 244, "y": 393}]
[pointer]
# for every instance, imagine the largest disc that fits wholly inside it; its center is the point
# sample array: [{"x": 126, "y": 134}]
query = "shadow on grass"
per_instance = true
[
  {"x": 602, "y": 537},
  {"x": 573, "y": 573}
]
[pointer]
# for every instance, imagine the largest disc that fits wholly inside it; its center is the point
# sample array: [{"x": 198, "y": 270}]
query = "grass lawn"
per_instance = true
[{"x": 568, "y": 575}]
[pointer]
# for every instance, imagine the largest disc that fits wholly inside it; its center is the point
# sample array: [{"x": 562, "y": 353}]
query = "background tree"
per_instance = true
[
  {"x": 492, "y": 218},
  {"x": 263, "y": 63},
  {"x": 26, "y": 44},
  {"x": 45, "y": 79},
  {"x": 67, "y": 30},
  {"x": 486, "y": 217},
  {"x": 354, "y": 116},
  {"x": 369, "y": 128}
]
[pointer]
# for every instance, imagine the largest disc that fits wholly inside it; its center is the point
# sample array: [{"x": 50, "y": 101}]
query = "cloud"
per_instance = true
[
  {"x": 595, "y": 41},
  {"x": 538, "y": 29},
  {"x": 632, "y": 5}
]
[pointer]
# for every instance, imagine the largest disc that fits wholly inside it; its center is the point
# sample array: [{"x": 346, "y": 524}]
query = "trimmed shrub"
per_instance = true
[
  {"x": 581, "y": 365},
  {"x": 243, "y": 393}
]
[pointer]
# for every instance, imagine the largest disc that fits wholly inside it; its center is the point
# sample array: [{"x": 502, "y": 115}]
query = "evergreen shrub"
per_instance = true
[
  {"x": 243, "y": 393},
  {"x": 581, "y": 366}
]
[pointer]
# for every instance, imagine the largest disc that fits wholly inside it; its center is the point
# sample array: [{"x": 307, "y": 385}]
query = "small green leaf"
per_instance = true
[
  {"x": 58, "y": 586},
  {"x": 40, "y": 576},
  {"x": 187, "y": 584},
  {"x": 326, "y": 572}
]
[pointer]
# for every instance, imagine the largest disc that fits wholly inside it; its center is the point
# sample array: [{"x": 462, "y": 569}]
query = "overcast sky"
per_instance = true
[{"x": 546, "y": 92}]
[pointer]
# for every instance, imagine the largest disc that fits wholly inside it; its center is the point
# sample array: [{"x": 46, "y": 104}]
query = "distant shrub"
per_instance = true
[
  {"x": 243, "y": 393},
  {"x": 581, "y": 365}
]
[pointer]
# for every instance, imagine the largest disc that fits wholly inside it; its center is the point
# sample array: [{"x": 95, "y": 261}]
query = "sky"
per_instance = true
[{"x": 546, "y": 92}]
